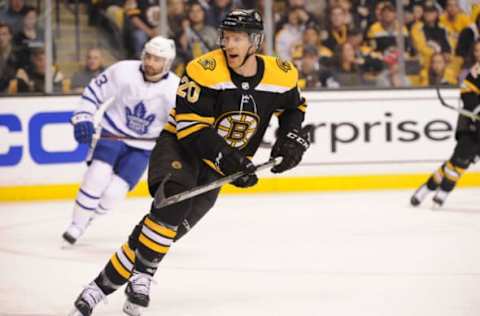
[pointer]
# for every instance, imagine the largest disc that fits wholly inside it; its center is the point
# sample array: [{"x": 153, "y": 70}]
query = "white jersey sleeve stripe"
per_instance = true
[
  {"x": 90, "y": 100},
  {"x": 94, "y": 95}
]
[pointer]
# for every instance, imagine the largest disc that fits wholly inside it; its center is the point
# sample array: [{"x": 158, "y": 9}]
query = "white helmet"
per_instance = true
[{"x": 161, "y": 47}]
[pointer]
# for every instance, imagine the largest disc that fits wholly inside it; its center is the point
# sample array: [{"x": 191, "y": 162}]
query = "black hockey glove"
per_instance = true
[
  {"x": 231, "y": 160},
  {"x": 290, "y": 146}
]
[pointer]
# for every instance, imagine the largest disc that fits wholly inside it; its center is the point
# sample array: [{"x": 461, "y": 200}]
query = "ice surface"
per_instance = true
[{"x": 361, "y": 253}]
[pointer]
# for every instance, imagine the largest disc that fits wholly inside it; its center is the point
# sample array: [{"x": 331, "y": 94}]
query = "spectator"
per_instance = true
[
  {"x": 307, "y": 16},
  {"x": 337, "y": 29},
  {"x": 32, "y": 78},
  {"x": 437, "y": 73},
  {"x": 371, "y": 62},
  {"x": 454, "y": 21},
  {"x": 383, "y": 34},
  {"x": 8, "y": 61},
  {"x": 93, "y": 67},
  {"x": 176, "y": 16},
  {"x": 13, "y": 14},
  {"x": 30, "y": 36},
  {"x": 391, "y": 76},
  {"x": 311, "y": 37},
  {"x": 218, "y": 11},
  {"x": 142, "y": 23},
  {"x": 312, "y": 75},
  {"x": 201, "y": 38},
  {"x": 429, "y": 37},
  {"x": 347, "y": 71},
  {"x": 290, "y": 34}
]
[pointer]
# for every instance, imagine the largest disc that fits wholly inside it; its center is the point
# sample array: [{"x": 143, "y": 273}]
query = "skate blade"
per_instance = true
[
  {"x": 436, "y": 206},
  {"x": 132, "y": 309}
]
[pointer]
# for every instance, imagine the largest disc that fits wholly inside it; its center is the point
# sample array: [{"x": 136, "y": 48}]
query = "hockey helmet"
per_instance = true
[
  {"x": 161, "y": 47},
  {"x": 242, "y": 20}
]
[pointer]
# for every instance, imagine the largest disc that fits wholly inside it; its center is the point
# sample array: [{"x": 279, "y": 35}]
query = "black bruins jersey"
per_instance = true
[
  {"x": 470, "y": 93},
  {"x": 239, "y": 109}
]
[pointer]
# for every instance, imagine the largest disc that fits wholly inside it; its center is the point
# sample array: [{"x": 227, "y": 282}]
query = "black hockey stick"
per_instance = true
[
  {"x": 161, "y": 201},
  {"x": 472, "y": 115}
]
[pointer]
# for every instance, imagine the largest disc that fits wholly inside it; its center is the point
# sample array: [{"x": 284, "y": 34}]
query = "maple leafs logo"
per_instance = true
[{"x": 138, "y": 120}]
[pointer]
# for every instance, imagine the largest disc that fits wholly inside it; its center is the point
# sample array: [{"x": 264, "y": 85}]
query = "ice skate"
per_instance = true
[
  {"x": 74, "y": 232},
  {"x": 137, "y": 291},
  {"x": 419, "y": 195},
  {"x": 87, "y": 300},
  {"x": 439, "y": 199}
]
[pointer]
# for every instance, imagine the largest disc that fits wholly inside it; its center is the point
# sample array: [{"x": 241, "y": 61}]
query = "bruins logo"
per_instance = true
[
  {"x": 237, "y": 128},
  {"x": 283, "y": 64},
  {"x": 208, "y": 63}
]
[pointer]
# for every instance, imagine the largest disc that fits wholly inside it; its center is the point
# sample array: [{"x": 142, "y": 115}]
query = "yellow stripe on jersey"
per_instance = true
[
  {"x": 279, "y": 72},
  {"x": 162, "y": 230},
  {"x": 169, "y": 127},
  {"x": 190, "y": 130},
  {"x": 119, "y": 267},
  {"x": 152, "y": 245},
  {"x": 209, "y": 69},
  {"x": 194, "y": 117},
  {"x": 468, "y": 86},
  {"x": 302, "y": 107},
  {"x": 128, "y": 252}
]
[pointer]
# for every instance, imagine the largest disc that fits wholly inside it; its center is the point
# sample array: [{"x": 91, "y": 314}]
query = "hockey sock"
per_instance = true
[
  {"x": 115, "y": 192},
  {"x": 154, "y": 242},
  {"x": 452, "y": 175},
  {"x": 436, "y": 178},
  {"x": 117, "y": 271},
  {"x": 94, "y": 183}
]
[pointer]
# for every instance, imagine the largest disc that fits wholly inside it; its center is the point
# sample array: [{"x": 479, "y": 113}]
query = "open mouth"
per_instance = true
[{"x": 232, "y": 56}]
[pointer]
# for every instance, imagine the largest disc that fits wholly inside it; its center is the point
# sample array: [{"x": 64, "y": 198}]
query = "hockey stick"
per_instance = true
[
  {"x": 121, "y": 137},
  {"x": 97, "y": 118},
  {"x": 473, "y": 115},
  {"x": 161, "y": 201}
]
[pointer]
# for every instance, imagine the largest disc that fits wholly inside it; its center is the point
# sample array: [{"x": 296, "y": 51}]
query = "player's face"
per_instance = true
[
  {"x": 153, "y": 65},
  {"x": 476, "y": 52},
  {"x": 236, "y": 45}
]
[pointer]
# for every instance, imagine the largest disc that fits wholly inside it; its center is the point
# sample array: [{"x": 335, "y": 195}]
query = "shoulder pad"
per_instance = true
[
  {"x": 209, "y": 70},
  {"x": 279, "y": 72}
]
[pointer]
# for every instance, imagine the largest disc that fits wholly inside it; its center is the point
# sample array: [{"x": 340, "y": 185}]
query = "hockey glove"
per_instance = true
[
  {"x": 231, "y": 160},
  {"x": 290, "y": 146},
  {"x": 83, "y": 128}
]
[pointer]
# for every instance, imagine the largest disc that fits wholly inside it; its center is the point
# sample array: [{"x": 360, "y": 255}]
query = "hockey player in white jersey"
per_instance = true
[{"x": 143, "y": 93}]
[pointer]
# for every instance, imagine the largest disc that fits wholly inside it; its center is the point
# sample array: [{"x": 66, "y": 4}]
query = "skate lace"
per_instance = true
[
  {"x": 93, "y": 295},
  {"x": 141, "y": 283}
]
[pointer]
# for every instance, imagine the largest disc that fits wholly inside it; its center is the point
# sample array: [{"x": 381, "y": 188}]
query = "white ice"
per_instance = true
[{"x": 360, "y": 253}]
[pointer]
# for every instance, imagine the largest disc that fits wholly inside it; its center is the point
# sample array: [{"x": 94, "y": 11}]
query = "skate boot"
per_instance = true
[
  {"x": 420, "y": 195},
  {"x": 72, "y": 233},
  {"x": 86, "y": 301},
  {"x": 137, "y": 291},
  {"x": 439, "y": 198}
]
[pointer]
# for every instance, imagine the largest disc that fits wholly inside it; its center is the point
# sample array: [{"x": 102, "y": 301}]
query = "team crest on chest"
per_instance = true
[
  {"x": 283, "y": 64},
  {"x": 138, "y": 120},
  {"x": 208, "y": 63},
  {"x": 237, "y": 128}
]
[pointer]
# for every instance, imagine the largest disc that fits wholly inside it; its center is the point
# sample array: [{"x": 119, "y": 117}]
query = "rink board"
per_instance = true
[{"x": 361, "y": 140}]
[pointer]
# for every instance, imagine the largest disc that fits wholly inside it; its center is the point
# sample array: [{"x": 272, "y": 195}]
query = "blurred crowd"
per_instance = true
[{"x": 334, "y": 43}]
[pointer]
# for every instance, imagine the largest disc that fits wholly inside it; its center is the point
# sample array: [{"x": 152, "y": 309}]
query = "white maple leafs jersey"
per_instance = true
[{"x": 140, "y": 108}]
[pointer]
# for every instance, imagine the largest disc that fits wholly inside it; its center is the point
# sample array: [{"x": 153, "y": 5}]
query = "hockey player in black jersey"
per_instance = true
[
  {"x": 224, "y": 105},
  {"x": 466, "y": 151}
]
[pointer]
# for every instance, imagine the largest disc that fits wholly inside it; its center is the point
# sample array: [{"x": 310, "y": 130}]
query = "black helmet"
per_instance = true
[{"x": 241, "y": 20}]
